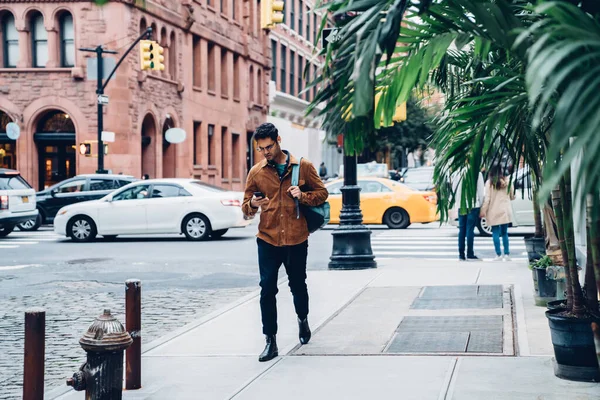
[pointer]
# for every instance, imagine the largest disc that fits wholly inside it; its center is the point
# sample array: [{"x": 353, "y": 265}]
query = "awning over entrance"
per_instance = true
[{"x": 54, "y": 137}]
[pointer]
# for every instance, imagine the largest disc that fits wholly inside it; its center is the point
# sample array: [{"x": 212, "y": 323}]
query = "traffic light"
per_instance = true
[
  {"x": 271, "y": 13},
  {"x": 146, "y": 54},
  {"x": 85, "y": 149},
  {"x": 157, "y": 52}
]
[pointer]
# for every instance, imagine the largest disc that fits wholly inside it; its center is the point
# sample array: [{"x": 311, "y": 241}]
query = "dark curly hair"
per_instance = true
[{"x": 266, "y": 130}]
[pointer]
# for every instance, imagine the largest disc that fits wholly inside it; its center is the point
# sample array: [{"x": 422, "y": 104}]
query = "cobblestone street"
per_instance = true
[{"x": 68, "y": 315}]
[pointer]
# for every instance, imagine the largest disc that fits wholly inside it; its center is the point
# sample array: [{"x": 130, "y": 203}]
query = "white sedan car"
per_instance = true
[{"x": 164, "y": 206}]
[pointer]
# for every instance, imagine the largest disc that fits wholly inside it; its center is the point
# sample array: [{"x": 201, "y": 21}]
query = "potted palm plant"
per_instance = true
[
  {"x": 544, "y": 287},
  {"x": 515, "y": 78}
]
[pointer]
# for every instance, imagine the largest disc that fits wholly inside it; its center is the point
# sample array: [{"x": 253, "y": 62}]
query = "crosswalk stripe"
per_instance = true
[
  {"x": 19, "y": 242},
  {"x": 430, "y": 247},
  {"x": 7, "y": 247},
  {"x": 11, "y": 267}
]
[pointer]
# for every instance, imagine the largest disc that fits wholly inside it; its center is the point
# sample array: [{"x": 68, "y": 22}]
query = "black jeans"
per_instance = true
[
  {"x": 270, "y": 259},
  {"x": 466, "y": 228}
]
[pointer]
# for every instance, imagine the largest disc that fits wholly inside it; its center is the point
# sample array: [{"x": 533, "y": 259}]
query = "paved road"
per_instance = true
[{"x": 431, "y": 242}]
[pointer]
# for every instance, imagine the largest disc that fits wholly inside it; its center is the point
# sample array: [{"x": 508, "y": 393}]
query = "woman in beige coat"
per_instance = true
[{"x": 497, "y": 209}]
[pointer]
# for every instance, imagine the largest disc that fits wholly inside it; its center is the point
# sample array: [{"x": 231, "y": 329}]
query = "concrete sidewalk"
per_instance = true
[{"x": 410, "y": 329}]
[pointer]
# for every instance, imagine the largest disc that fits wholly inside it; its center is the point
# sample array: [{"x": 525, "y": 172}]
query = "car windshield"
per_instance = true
[
  {"x": 207, "y": 187},
  {"x": 13, "y": 182},
  {"x": 418, "y": 176}
]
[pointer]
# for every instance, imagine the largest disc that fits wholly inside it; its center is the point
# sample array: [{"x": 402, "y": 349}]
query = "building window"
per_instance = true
[
  {"x": 10, "y": 45},
  {"x": 292, "y": 14},
  {"x": 292, "y": 72},
  {"x": 39, "y": 41},
  {"x": 283, "y": 65},
  {"x": 224, "y": 8},
  {"x": 260, "y": 87},
  {"x": 211, "y": 67},
  {"x": 67, "y": 41},
  {"x": 211, "y": 145},
  {"x": 224, "y": 73},
  {"x": 300, "y": 67},
  {"x": 274, "y": 61},
  {"x": 234, "y": 10},
  {"x": 235, "y": 148},
  {"x": 236, "y": 76},
  {"x": 197, "y": 143},
  {"x": 308, "y": 23},
  {"x": 314, "y": 87},
  {"x": 315, "y": 27},
  {"x": 225, "y": 151},
  {"x": 173, "y": 56},
  {"x": 197, "y": 62},
  {"x": 300, "y": 19},
  {"x": 209, "y": 3},
  {"x": 251, "y": 84},
  {"x": 257, "y": 18}
]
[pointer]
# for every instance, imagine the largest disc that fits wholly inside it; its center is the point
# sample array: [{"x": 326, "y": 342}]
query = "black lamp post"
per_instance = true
[{"x": 351, "y": 239}]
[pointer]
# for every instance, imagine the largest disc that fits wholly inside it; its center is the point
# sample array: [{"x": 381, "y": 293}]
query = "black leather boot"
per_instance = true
[
  {"x": 303, "y": 330},
  {"x": 270, "y": 351}
]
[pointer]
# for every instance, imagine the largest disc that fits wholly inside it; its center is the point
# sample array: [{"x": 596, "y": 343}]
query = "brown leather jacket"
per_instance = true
[{"x": 278, "y": 224}]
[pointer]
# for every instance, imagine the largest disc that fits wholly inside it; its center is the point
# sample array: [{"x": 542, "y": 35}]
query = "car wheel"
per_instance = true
[
  {"x": 483, "y": 228},
  {"x": 81, "y": 229},
  {"x": 396, "y": 218},
  {"x": 6, "y": 229},
  {"x": 219, "y": 233},
  {"x": 32, "y": 224},
  {"x": 196, "y": 227}
]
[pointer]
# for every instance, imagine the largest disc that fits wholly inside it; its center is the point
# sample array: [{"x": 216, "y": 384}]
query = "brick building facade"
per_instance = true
[{"x": 215, "y": 87}]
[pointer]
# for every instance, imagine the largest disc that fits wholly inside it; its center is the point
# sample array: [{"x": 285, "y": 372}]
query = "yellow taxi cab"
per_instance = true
[{"x": 384, "y": 201}]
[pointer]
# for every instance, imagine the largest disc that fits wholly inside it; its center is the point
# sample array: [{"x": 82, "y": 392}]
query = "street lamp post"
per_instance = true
[{"x": 351, "y": 239}]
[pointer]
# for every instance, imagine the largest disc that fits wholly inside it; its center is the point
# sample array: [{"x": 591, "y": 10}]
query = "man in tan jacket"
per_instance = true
[{"x": 282, "y": 237}]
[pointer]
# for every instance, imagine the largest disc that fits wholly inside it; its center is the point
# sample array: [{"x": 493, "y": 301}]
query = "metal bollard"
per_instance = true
[
  {"x": 102, "y": 374},
  {"x": 133, "y": 324},
  {"x": 35, "y": 335}
]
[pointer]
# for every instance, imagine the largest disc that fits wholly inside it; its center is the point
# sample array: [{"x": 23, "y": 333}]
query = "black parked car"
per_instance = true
[{"x": 73, "y": 190}]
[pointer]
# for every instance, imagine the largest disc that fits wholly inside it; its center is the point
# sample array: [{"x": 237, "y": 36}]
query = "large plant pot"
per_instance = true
[
  {"x": 574, "y": 351},
  {"x": 545, "y": 289},
  {"x": 536, "y": 247}
]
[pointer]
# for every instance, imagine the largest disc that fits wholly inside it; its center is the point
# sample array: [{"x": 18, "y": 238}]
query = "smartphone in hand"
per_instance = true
[{"x": 259, "y": 195}]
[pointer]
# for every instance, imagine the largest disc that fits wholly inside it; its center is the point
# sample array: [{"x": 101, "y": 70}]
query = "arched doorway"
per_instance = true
[
  {"x": 169, "y": 151},
  {"x": 55, "y": 139},
  {"x": 149, "y": 146},
  {"x": 8, "y": 147}
]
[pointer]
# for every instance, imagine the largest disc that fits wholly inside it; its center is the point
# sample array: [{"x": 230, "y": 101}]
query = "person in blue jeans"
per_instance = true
[
  {"x": 467, "y": 218},
  {"x": 497, "y": 210}
]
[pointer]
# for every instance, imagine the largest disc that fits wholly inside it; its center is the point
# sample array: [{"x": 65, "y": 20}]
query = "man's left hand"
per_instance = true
[{"x": 295, "y": 192}]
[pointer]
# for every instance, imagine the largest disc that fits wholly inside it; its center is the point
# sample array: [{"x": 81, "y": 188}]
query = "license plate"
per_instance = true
[{"x": 25, "y": 199}]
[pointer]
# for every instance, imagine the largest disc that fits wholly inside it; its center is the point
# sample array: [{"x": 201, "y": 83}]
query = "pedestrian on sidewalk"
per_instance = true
[
  {"x": 497, "y": 209},
  {"x": 467, "y": 216},
  {"x": 282, "y": 236}
]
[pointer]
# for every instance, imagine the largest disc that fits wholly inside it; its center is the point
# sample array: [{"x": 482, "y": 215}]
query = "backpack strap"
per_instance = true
[
  {"x": 296, "y": 173},
  {"x": 295, "y": 179}
]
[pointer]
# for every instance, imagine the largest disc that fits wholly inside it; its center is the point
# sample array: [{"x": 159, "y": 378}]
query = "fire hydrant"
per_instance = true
[{"x": 102, "y": 374}]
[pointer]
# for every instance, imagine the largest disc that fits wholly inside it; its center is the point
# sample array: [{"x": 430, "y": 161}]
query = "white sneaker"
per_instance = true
[
  {"x": 498, "y": 258},
  {"x": 507, "y": 258}
]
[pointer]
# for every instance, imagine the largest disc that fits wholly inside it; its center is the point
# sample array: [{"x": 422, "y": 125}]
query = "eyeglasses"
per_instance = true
[{"x": 268, "y": 148}]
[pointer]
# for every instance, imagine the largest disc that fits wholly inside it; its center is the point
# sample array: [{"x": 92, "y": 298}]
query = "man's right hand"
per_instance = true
[{"x": 257, "y": 202}]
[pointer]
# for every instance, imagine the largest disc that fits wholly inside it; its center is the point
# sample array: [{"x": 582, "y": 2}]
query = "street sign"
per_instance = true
[
  {"x": 107, "y": 136},
  {"x": 13, "y": 131},
  {"x": 175, "y": 135},
  {"x": 330, "y": 35},
  {"x": 103, "y": 99},
  {"x": 108, "y": 64}
]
